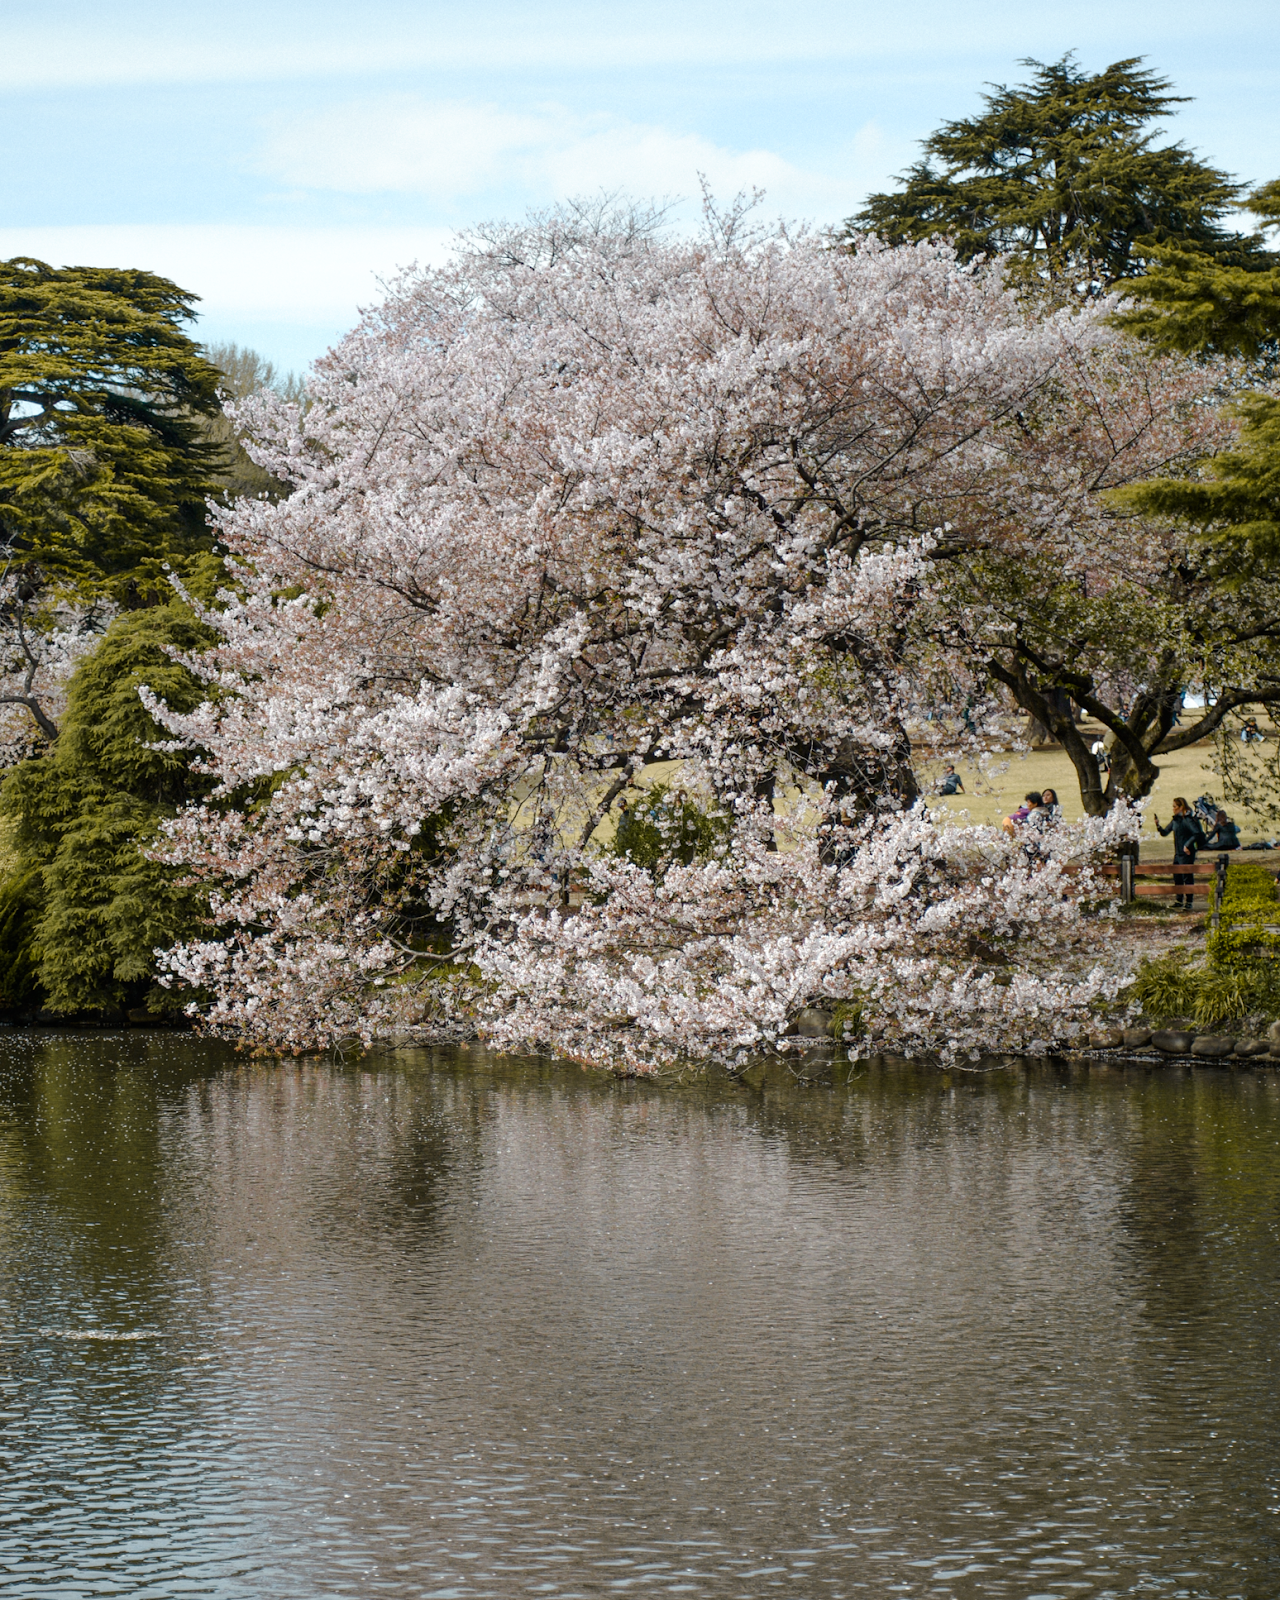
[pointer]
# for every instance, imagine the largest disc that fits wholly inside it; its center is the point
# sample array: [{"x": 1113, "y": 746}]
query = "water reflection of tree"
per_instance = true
[
  {"x": 1201, "y": 1214},
  {"x": 407, "y": 1133},
  {"x": 86, "y": 1245},
  {"x": 85, "y": 1172},
  {"x": 846, "y": 1114},
  {"x": 1202, "y": 1206}
]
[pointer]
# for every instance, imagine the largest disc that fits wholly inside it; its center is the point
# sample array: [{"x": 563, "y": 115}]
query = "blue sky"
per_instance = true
[{"x": 277, "y": 158}]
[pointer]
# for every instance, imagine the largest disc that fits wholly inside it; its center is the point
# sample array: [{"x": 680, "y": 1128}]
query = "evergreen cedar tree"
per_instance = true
[
  {"x": 1064, "y": 173},
  {"x": 1205, "y": 306},
  {"x": 82, "y": 909},
  {"x": 1208, "y": 307},
  {"x": 105, "y": 401},
  {"x": 108, "y": 451}
]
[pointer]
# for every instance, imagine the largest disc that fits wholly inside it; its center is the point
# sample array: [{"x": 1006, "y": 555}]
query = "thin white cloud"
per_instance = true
[
  {"x": 398, "y": 144},
  {"x": 450, "y": 150},
  {"x": 302, "y": 275},
  {"x": 493, "y": 37},
  {"x": 153, "y": 41},
  {"x": 85, "y": 42}
]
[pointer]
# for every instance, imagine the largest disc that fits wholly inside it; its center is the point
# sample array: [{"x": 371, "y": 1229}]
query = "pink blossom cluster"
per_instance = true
[
  {"x": 583, "y": 501},
  {"x": 41, "y": 644},
  {"x": 940, "y": 941}
]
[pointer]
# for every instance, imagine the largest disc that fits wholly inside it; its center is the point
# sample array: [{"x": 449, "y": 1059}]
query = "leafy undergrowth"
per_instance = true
[
  {"x": 1170, "y": 985},
  {"x": 1250, "y": 915},
  {"x": 1239, "y": 975}
]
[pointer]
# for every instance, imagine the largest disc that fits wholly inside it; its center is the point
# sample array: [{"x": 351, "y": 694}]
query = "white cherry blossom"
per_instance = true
[{"x": 581, "y": 502}]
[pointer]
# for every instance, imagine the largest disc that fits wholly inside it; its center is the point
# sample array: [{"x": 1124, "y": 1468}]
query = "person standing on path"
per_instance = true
[
  {"x": 625, "y": 828},
  {"x": 1188, "y": 837}
]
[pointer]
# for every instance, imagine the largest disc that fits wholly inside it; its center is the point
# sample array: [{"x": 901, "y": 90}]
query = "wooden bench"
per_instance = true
[{"x": 1140, "y": 880}]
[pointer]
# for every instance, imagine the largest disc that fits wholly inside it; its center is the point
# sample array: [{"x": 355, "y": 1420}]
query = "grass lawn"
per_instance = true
[{"x": 1185, "y": 772}]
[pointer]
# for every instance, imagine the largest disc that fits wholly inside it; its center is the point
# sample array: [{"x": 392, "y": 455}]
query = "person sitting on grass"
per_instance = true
[
  {"x": 1040, "y": 818},
  {"x": 1188, "y": 837},
  {"x": 1031, "y": 802},
  {"x": 1225, "y": 835},
  {"x": 951, "y": 782}
]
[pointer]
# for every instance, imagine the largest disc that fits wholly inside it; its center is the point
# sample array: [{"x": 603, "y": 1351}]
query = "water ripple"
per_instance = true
[{"x": 441, "y": 1327}]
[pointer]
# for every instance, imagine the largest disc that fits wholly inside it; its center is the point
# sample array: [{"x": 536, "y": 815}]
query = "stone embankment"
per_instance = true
[{"x": 1262, "y": 1048}]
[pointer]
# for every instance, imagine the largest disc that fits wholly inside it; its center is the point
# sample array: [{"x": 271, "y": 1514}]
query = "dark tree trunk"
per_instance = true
[
  {"x": 763, "y": 791},
  {"x": 1048, "y": 711},
  {"x": 859, "y": 781}
]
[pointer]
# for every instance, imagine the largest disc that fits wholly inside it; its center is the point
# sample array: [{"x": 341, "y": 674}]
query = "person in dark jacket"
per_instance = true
[
  {"x": 1188, "y": 837},
  {"x": 1225, "y": 835},
  {"x": 625, "y": 828}
]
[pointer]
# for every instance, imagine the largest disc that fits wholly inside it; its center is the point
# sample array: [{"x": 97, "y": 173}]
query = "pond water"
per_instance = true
[{"x": 436, "y": 1325}]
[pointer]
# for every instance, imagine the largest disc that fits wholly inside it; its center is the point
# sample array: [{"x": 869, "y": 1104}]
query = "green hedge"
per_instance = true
[{"x": 1250, "y": 914}]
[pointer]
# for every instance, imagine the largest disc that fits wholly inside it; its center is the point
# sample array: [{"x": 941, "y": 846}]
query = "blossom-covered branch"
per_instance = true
[
  {"x": 583, "y": 501},
  {"x": 946, "y": 941},
  {"x": 41, "y": 643}
]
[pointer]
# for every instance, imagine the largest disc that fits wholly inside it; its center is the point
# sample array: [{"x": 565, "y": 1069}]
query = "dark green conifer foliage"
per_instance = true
[
  {"x": 20, "y": 902},
  {"x": 1202, "y": 306},
  {"x": 112, "y": 439},
  {"x": 1064, "y": 172},
  {"x": 1235, "y": 498},
  {"x": 82, "y": 909},
  {"x": 1213, "y": 304},
  {"x": 105, "y": 462}
]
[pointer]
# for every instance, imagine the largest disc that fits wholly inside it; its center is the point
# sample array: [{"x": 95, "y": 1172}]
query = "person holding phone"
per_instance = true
[{"x": 1188, "y": 837}]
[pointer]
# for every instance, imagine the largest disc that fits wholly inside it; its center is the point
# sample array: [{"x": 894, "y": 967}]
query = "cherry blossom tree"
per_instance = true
[
  {"x": 946, "y": 941},
  {"x": 1069, "y": 600},
  {"x": 585, "y": 500},
  {"x": 42, "y": 639}
]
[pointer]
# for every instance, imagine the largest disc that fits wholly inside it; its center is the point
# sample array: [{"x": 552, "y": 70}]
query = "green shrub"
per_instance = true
[
  {"x": 1250, "y": 922},
  {"x": 81, "y": 908},
  {"x": 848, "y": 1020},
  {"x": 1222, "y": 994},
  {"x": 1248, "y": 880},
  {"x": 1170, "y": 986},
  {"x": 660, "y": 830},
  {"x": 1165, "y": 986}
]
